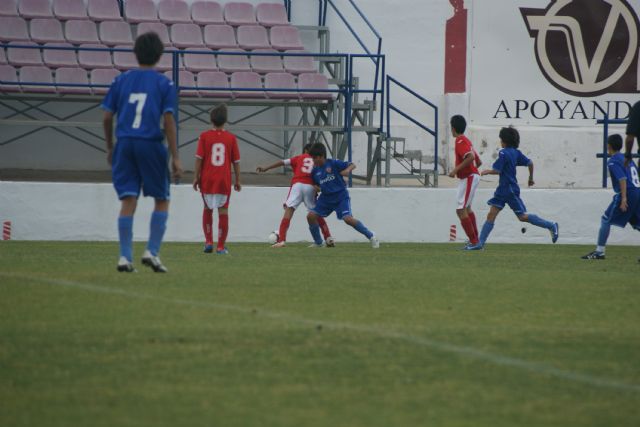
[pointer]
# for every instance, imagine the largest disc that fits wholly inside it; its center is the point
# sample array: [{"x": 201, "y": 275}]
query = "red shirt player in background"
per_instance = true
[
  {"x": 467, "y": 162},
  {"x": 217, "y": 151},
  {"x": 302, "y": 190}
]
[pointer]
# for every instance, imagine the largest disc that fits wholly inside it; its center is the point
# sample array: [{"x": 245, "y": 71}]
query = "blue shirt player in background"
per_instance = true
[
  {"x": 328, "y": 174},
  {"x": 625, "y": 206},
  {"x": 140, "y": 98},
  {"x": 508, "y": 191}
]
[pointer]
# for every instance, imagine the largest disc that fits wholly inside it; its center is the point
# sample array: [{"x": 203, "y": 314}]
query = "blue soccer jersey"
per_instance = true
[
  {"x": 328, "y": 177},
  {"x": 140, "y": 98},
  {"x": 508, "y": 159},
  {"x": 618, "y": 171}
]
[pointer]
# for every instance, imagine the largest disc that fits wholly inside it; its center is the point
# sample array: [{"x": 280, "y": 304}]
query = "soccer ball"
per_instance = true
[{"x": 273, "y": 237}]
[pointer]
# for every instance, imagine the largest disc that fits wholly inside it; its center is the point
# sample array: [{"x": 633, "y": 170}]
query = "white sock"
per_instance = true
[{"x": 600, "y": 249}]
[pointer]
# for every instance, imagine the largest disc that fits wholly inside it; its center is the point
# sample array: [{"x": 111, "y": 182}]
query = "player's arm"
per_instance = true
[
  {"x": 236, "y": 170},
  {"x": 346, "y": 171},
  {"x": 468, "y": 159},
  {"x": 197, "y": 173},
  {"x": 489, "y": 172},
  {"x": 531, "y": 181},
  {"x": 107, "y": 124},
  {"x": 277, "y": 164},
  {"x": 170, "y": 132},
  {"x": 628, "y": 147},
  {"x": 623, "y": 194}
]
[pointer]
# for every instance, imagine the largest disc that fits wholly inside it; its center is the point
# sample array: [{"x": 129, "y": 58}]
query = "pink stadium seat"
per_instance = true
[
  {"x": 3, "y": 56},
  {"x": 124, "y": 60},
  {"x": 103, "y": 10},
  {"x": 281, "y": 81},
  {"x": 103, "y": 76},
  {"x": 35, "y": 9},
  {"x": 174, "y": 12},
  {"x": 214, "y": 79},
  {"x": 314, "y": 81},
  {"x": 233, "y": 63},
  {"x": 196, "y": 62},
  {"x": 220, "y": 37},
  {"x": 115, "y": 32},
  {"x": 24, "y": 56},
  {"x": 204, "y": 12},
  {"x": 140, "y": 11},
  {"x": 186, "y": 35},
  {"x": 187, "y": 79},
  {"x": 13, "y": 29},
  {"x": 266, "y": 64},
  {"x": 239, "y": 13},
  {"x": 299, "y": 64},
  {"x": 253, "y": 37},
  {"x": 271, "y": 14},
  {"x": 69, "y": 9},
  {"x": 54, "y": 58},
  {"x": 286, "y": 38},
  {"x": 36, "y": 74},
  {"x": 156, "y": 27},
  {"x": 166, "y": 62},
  {"x": 246, "y": 80},
  {"x": 8, "y": 8},
  {"x": 75, "y": 76},
  {"x": 93, "y": 58},
  {"x": 8, "y": 74},
  {"x": 46, "y": 31},
  {"x": 81, "y": 31}
]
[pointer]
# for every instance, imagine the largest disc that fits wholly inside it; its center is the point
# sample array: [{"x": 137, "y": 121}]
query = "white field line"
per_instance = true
[{"x": 470, "y": 352}]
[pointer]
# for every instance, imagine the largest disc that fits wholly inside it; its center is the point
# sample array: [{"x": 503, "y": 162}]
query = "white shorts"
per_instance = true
[
  {"x": 299, "y": 193},
  {"x": 466, "y": 190},
  {"x": 215, "y": 201}
]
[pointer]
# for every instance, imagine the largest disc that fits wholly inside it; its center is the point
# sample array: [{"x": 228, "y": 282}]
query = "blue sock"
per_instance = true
[
  {"x": 315, "y": 233},
  {"x": 156, "y": 233},
  {"x": 125, "y": 233},
  {"x": 363, "y": 230},
  {"x": 603, "y": 234},
  {"x": 486, "y": 230},
  {"x": 539, "y": 222}
]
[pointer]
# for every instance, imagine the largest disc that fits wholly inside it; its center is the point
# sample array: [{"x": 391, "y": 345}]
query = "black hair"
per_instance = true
[
  {"x": 615, "y": 141},
  {"x": 459, "y": 124},
  {"x": 219, "y": 115},
  {"x": 307, "y": 147},
  {"x": 148, "y": 49},
  {"x": 510, "y": 137},
  {"x": 318, "y": 150}
]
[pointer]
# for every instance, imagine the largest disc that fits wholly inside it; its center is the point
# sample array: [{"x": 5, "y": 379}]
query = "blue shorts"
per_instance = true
[
  {"x": 614, "y": 216},
  {"x": 140, "y": 163},
  {"x": 514, "y": 201},
  {"x": 341, "y": 205}
]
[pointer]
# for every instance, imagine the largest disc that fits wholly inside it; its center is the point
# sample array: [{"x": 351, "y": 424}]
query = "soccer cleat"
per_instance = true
[
  {"x": 375, "y": 243},
  {"x": 125, "y": 266},
  {"x": 315, "y": 245},
  {"x": 594, "y": 255},
  {"x": 223, "y": 251},
  {"x": 555, "y": 232},
  {"x": 330, "y": 242},
  {"x": 208, "y": 249},
  {"x": 476, "y": 247},
  {"x": 279, "y": 245},
  {"x": 153, "y": 262}
]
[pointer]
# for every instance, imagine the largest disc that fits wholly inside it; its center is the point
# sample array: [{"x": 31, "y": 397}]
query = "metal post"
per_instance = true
[
  {"x": 348, "y": 115},
  {"x": 604, "y": 151},
  {"x": 176, "y": 82},
  {"x": 435, "y": 157},
  {"x": 387, "y": 164},
  {"x": 375, "y": 86},
  {"x": 286, "y": 132},
  {"x": 382, "y": 95}
]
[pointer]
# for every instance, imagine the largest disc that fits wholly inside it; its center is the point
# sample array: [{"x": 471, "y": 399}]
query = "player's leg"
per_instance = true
[
  {"x": 343, "y": 212},
  {"x": 309, "y": 196},
  {"x": 470, "y": 213},
  {"x": 222, "y": 201},
  {"x": 612, "y": 216},
  {"x": 314, "y": 228},
  {"x": 520, "y": 210},
  {"x": 496, "y": 206},
  {"x": 125, "y": 233},
  {"x": 294, "y": 198},
  {"x": 207, "y": 222},
  {"x": 464, "y": 191}
]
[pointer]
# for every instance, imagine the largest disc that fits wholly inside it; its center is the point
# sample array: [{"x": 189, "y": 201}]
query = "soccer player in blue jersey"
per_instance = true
[
  {"x": 625, "y": 206},
  {"x": 328, "y": 174},
  {"x": 140, "y": 98},
  {"x": 508, "y": 191}
]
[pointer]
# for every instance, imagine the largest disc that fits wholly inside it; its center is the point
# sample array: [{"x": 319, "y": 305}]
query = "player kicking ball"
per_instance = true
[
  {"x": 140, "y": 98},
  {"x": 217, "y": 151},
  {"x": 328, "y": 174},
  {"x": 302, "y": 191},
  {"x": 508, "y": 191},
  {"x": 625, "y": 206}
]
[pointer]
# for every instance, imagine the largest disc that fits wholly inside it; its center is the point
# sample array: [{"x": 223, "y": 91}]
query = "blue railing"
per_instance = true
[{"x": 605, "y": 136}]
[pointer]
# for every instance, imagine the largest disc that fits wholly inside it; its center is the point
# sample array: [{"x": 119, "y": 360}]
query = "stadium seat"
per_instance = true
[
  {"x": 157, "y": 27},
  {"x": 314, "y": 81},
  {"x": 281, "y": 81},
  {"x": 24, "y": 56},
  {"x": 299, "y": 64},
  {"x": 94, "y": 58},
  {"x": 286, "y": 38},
  {"x": 69, "y": 9},
  {"x": 13, "y": 29},
  {"x": 187, "y": 79},
  {"x": 207, "y": 12},
  {"x": 81, "y": 31},
  {"x": 103, "y": 76},
  {"x": 140, "y": 11},
  {"x": 233, "y": 63},
  {"x": 8, "y": 74},
  {"x": 124, "y": 60},
  {"x": 220, "y": 37},
  {"x": 271, "y": 14},
  {"x": 266, "y": 64},
  {"x": 197, "y": 62},
  {"x": 166, "y": 62},
  {"x": 246, "y": 80},
  {"x": 174, "y": 12},
  {"x": 115, "y": 32},
  {"x": 46, "y": 31},
  {"x": 8, "y": 8},
  {"x": 74, "y": 76},
  {"x": 35, "y": 9},
  {"x": 253, "y": 37},
  {"x": 54, "y": 58},
  {"x": 214, "y": 79},
  {"x": 103, "y": 10},
  {"x": 186, "y": 35},
  {"x": 239, "y": 13},
  {"x": 3, "y": 56},
  {"x": 36, "y": 74}
]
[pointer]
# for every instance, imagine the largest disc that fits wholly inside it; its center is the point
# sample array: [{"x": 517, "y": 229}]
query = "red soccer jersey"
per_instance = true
[
  {"x": 463, "y": 147},
  {"x": 302, "y": 166},
  {"x": 217, "y": 149}
]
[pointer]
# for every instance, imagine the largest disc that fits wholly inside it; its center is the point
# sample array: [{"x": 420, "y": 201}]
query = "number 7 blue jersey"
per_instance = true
[{"x": 139, "y": 98}]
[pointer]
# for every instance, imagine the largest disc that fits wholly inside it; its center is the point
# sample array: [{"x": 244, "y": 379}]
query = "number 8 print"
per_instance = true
[
  {"x": 217, "y": 154},
  {"x": 634, "y": 177}
]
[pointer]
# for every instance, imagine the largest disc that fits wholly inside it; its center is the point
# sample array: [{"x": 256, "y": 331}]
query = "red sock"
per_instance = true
[
  {"x": 284, "y": 226},
  {"x": 223, "y": 230},
  {"x": 472, "y": 216},
  {"x": 324, "y": 228},
  {"x": 207, "y": 225},
  {"x": 468, "y": 228}
]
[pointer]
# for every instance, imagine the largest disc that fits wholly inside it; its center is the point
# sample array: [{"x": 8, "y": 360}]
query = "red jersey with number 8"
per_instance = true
[
  {"x": 218, "y": 149},
  {"x": 302, "y": 166}
]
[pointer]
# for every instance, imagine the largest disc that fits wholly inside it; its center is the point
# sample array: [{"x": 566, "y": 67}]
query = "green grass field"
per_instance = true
[{"x": 517, "y": 335}]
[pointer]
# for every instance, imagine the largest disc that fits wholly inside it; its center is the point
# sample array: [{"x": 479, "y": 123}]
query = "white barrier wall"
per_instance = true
[{"x": 57, "y": 211}]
